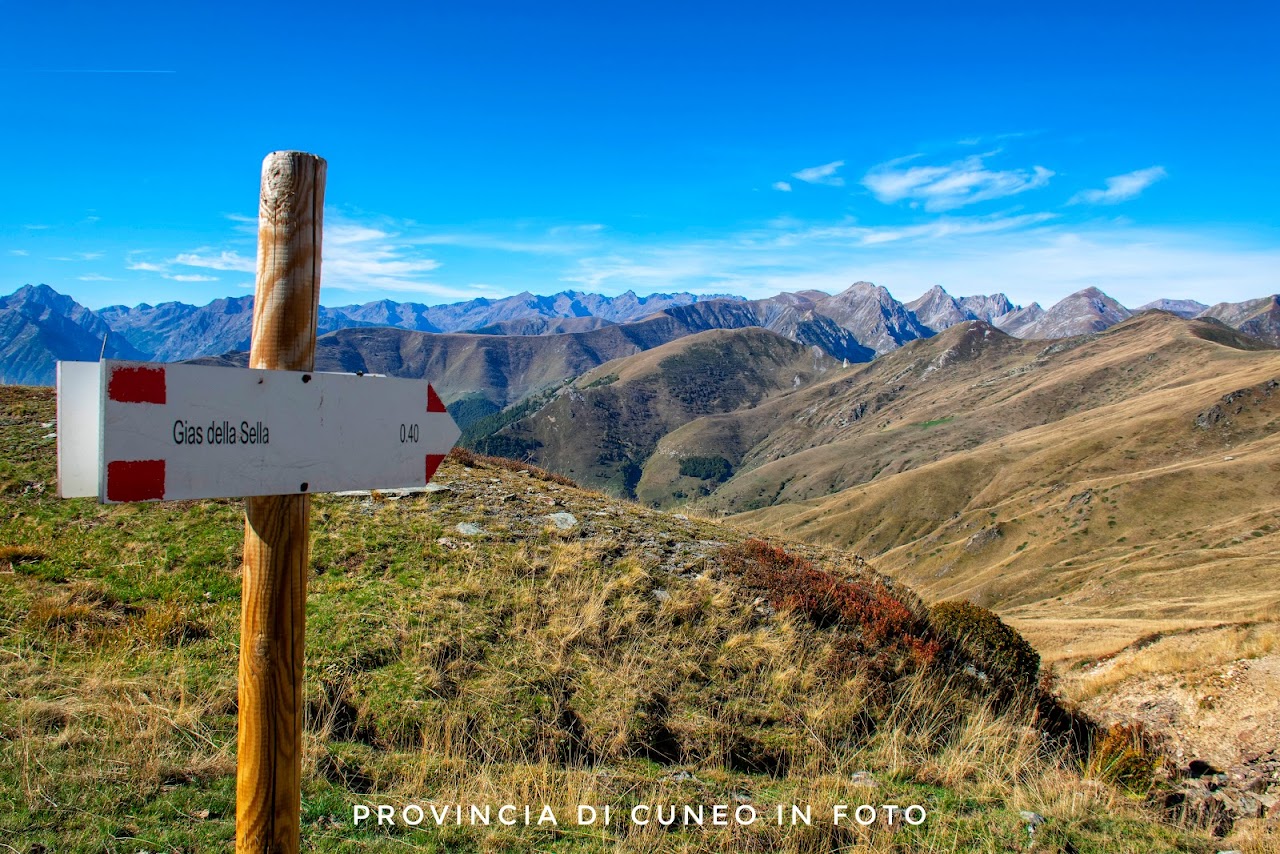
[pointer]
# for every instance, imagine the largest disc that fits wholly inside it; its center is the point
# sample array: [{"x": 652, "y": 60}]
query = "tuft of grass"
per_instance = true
[
  {"x": 14, "y": 556},
  {"x": 467, "y": 457},
  {"x": 1127, "y": 756}
]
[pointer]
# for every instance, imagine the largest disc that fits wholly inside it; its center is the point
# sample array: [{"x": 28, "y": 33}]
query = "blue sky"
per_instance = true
[{"x": 482, "y": 149}]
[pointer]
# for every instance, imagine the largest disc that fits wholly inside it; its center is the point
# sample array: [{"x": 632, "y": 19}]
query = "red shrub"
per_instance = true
[{"x": 876, "y": 625}]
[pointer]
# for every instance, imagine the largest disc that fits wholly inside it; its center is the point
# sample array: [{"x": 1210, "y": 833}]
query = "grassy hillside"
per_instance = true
[
  {"x": 602, "y": 430},
  {"x": 1130, "y": 478},
  {"x": 511, "y": 639},
  {"x": 969, "y": 386}
]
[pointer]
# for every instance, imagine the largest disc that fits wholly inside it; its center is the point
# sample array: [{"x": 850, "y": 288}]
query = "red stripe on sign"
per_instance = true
[
  {"x": 135, "y": 480},
  {"x": 136, "y": 385},
  {"x": 434, "y": 403},
  {"x": 433, "y": 463}
]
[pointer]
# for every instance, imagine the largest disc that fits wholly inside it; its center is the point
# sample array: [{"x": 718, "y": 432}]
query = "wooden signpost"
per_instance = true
[{"x": 274, "y": 434}]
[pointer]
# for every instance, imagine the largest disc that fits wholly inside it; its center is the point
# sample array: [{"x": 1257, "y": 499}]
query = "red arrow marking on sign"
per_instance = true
[
  {"x": 434, "y": 403},
  {"x": 135, "y": 480},
  {"x": 433, "y": 463},
  {"x": 137, "y": 385}
]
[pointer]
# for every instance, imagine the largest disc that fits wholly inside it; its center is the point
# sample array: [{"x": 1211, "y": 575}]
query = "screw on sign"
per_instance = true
[{"x": 272, "y": 433}]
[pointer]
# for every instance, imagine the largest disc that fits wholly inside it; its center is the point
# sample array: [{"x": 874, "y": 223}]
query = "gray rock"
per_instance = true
[
  {"x": 1033, "y": 819},
  {"x": 467, "y": 529},
  {"x": 563, "y": 521}
]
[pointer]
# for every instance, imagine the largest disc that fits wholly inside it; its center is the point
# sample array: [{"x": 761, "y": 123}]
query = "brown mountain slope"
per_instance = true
[
  {"x": 602, "y": 429},
  {"x": 967, "y": 386},
  {"x": 1149, "y": 501}
]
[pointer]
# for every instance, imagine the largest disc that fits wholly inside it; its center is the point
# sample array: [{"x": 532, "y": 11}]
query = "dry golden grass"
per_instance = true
[
  {"x": 11, "y": 556},
  {"x": 1180, "y": 654}
]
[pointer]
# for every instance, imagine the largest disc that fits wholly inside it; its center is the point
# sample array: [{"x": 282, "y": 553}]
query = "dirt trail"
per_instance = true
[{"x": 1213, "y": 697}]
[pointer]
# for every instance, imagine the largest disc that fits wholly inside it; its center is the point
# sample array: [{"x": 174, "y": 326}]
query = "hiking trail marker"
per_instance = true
[
  {"x": 134, "y": 431},
  {"x": 272, "y": 433}
]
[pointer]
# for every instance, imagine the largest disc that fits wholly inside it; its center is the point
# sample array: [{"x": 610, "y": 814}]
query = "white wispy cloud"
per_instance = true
[
  {"x": 89, "y": 256},
  {"x": 782, "y": 186},
  {"x": 583, "y": 228},
  {"x": 562, "y": 241},
  {"x": 824, "y": 174},
  {"x": 1120, "y": 188},
  {"x": 943, "y": 188},
  {"x": 360, "y": 256},
  {"x": 371, "y": 253},
  {"x": 1134, "y": 265},
  {"x": 1030, "y": 254},
  {"x": 189, "y": 277},
  {"x": 243, "y": 224},
  {"x": 343, "y": 234},
  {"x": 224, "y": 260},
  {"x": 95, "y": 277},
  {"x": 940, "y": 228},
  {"x": 19, "y": 252}
]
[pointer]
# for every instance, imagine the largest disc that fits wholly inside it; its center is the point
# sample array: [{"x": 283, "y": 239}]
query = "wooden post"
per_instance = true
[{"x": 276, "y": 545}]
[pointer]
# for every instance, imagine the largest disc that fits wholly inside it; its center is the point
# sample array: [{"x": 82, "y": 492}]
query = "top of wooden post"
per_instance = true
[{"x": 290, "y": 226}]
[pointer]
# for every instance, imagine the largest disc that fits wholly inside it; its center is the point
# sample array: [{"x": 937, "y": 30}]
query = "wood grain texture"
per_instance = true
[{"x": 276, "y": 539}]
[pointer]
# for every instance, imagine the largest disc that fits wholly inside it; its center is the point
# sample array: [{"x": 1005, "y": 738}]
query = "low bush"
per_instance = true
[{"x": 995, "y": 648}]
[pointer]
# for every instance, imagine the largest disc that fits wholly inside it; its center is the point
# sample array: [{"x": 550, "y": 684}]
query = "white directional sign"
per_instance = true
[{"x": 166, "y": 432}]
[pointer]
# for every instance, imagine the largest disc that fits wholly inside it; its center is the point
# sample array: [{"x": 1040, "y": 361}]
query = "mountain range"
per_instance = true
[{"x": 39, "y": 326}]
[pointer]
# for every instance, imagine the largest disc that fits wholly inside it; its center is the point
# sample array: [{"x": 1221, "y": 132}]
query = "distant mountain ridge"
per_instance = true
[{"x": 38, "y": 325}]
